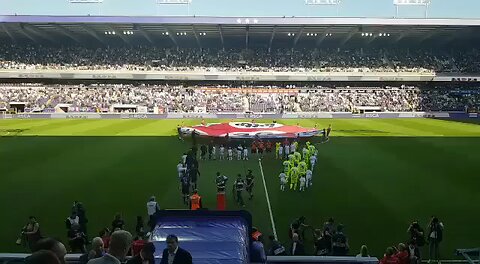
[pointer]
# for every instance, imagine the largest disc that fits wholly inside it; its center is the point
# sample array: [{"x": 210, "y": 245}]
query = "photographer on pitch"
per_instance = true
[
  {"x": 435, "y": 236},
  {"x": 417, "y": 237}
]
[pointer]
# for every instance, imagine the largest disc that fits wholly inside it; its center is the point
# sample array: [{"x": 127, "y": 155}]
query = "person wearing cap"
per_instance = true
[
  {"x": 257, "y": 252},
  {"x": 174, "y": 254}
]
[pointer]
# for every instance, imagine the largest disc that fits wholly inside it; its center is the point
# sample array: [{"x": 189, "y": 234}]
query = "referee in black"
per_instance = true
[
  {"x": 221, "y": 182},
  {"x": 238, "y": 187}
]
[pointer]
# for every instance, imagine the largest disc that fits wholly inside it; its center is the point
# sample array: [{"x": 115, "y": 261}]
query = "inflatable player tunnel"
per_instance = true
[{"x": 210, "y": 236}]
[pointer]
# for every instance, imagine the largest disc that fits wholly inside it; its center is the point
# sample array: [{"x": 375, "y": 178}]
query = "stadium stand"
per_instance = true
[
  {"x": 213, "y": 99},
  {"x": 150, "y": 58}
]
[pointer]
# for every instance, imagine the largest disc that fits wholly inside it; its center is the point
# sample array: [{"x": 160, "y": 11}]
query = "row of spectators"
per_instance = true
[
  {"x": 167, "y": 98},
  {"x": 329, "y": 240},
  {"x": 148, "y": 58}
]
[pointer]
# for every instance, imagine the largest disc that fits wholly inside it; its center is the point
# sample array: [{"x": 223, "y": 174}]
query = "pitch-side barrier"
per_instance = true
[{"x": 273, "y": 116}]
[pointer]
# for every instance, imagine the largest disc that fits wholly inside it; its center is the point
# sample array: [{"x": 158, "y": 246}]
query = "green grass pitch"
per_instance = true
[{"x": 375, "y": 176}]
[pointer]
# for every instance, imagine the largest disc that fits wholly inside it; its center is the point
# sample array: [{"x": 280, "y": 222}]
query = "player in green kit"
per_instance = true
[
  {"x": 293, "y": 178},
  {"x": 302, "y": 168},
  {"x": 277, "y": 149},
  {"x": 291, "y": 159},
  {"x": 286, "y": 168},
  {"x": 298, "y": 157}
]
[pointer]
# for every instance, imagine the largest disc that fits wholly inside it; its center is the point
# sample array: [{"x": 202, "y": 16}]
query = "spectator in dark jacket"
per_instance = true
[
  {"x": 257, "y": 253},
  {"x": 174, "y": 254},
  {"x": 323, "y": 243},
  {"x": 118, "y": 222},
  {"x": 297, "y": 248},
  {"x": 435, "y": 236},
  {"x": 76, "y": 239},
  {"x": 42, "y": 257},
  {"x": 53, "y": 245},
  {"x": 82, "y": 218},
  {"x": 146, "y": 255},
  {"x": 276, "y": 249},
  {"x": 140, "y": 227},
  {"x": 340, "y": 242}
]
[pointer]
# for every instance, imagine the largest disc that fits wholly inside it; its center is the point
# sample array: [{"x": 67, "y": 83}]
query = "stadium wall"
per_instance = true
[
  {"x": 453, "y": 115},
  {"x": 228, "y": 76}
]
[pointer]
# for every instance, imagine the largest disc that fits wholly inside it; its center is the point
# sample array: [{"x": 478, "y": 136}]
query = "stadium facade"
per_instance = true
[{"x": 246, "y": 33}]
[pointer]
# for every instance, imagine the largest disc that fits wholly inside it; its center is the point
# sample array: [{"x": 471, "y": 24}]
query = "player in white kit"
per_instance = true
[
  {"x": 181, "y": 170},
  {"x": 283, "y": 181},
  {"x": 230, "y": 153},
  {"x": 302, "y": 183},
  {"x": 222, "y": 153},
  {"x": 239, "y": 152},
  {"x": 308, "y": 179},
  {"x": 245, "y": 153},
  {"x": 214, "y": 152},
  {"x": 313, "y": 160}
]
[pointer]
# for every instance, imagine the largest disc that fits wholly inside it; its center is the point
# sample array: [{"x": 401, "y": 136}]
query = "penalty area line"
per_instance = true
[{"x": 268, "y": 200}]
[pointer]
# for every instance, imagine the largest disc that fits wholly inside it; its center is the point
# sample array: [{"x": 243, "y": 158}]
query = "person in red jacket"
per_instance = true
[
  {"x": 402, "y": 254},
  {"x": 389, "y": 257}
]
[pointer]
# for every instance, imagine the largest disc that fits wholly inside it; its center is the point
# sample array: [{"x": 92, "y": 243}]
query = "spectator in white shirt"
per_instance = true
[{"x": 152, "y": 209}]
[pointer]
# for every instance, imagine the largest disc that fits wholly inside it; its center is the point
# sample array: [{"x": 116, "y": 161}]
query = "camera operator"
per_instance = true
[
  {"x": 435, "y": 236},
  {"x": 417, "y": 239},
  {"x": 416, "y": 234}
]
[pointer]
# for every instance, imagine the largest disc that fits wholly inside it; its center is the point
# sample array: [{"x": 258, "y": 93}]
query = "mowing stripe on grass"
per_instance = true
[{"x": 268, "y": 200}]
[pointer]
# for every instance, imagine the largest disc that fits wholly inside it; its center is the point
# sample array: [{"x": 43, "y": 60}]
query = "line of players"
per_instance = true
[
  {"x": 188, "y": 174},
  {"x": 297, "y": 167},
  {"x": 240, "y": 152}
]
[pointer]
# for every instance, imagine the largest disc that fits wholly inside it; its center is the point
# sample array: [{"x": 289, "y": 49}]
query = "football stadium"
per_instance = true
[{"x": 238, "y": 139}]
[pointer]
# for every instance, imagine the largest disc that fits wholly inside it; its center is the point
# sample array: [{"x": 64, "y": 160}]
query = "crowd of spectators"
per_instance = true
[
  {"x": 329, "y": 239},
  {"x": 217, "y": 99},
  {"x": 151, "y": 58}
]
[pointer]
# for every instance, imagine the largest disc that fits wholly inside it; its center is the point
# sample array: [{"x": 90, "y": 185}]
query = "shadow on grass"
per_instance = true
[
  {"x": 105, "y": 166},
  {"x": 475, "y": 121}
]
